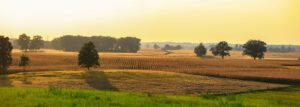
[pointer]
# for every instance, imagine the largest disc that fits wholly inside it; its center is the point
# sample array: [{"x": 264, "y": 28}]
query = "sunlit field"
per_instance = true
[
  {"x": 150, "y": 53},
  {"x": 277, "y": 67},
  {"x": 45, "y": 97}
]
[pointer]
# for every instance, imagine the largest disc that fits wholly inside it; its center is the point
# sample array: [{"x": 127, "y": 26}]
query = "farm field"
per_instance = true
[
  {"x": 283, "y": 68},
  {"x": 154, "y": 78},
  {"x": 155, "y": 82}
]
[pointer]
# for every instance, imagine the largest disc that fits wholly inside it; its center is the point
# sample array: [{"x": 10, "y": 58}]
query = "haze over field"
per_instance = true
[{"x": 236, "y": 21}]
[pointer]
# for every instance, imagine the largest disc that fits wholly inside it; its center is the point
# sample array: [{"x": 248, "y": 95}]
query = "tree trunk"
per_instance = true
[
  {"x": 88, "y": 68},
  {"x": 254, "y": 58},
  {"x": 222, "y": 57}
]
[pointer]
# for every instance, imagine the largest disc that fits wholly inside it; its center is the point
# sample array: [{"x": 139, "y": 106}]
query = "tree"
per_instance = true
[
  {"x": 5, "y": 54},
  {"x": 170, "y": 47},
  {"x": 255, "y": 49},
  {"x": 155, "y": 46},
  {"x": 23, "y": 42},
  {"x": 24, "y": 61},
  {"x": 178, "y": 47},
  {"x": 128, "y": 44},
  {"x": 221, "y": 49},
  {"x": 36, "y": 43},
  {"x": 88, "y": 56},
  {"x": 200, "y": 50}
]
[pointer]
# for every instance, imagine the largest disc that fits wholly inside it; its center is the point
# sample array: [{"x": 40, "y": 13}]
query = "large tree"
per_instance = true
[
  {"x": 23, "y": 42},
  {"x": 200, "y": 50},
  {"x": 5, "y": 54},
  {"x": 88, "y": 56},
  {"x": 24, "y": 61},
  {"x": 36, "y": 43},
  {"x": 221, "y": 49},
  {"x": 255, "y": 49}
]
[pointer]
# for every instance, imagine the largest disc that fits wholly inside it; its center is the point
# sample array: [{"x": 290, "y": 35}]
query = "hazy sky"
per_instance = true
[{"x": 236, "y": 21}]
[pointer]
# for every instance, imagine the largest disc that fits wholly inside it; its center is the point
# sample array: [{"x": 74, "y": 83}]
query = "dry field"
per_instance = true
[
  {"x": 154, "y": 82},
  {"x": 277, "y": 67}
]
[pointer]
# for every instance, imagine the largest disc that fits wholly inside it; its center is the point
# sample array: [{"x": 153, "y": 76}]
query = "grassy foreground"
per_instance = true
[{"x": 38, "y": 97}]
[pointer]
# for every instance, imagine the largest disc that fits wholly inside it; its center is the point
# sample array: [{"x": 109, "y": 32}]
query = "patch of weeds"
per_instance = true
[
  {"x": 78, "y": 95},
  {"x": 40, "y": 105},
  {"x": 55, "y": 91},
  {"x": 209, "y": 97},
  {"x": 114, "y": 104}
]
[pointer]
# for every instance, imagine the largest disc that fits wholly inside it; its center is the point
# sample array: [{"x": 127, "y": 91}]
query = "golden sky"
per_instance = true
[{"x": 235, "y": 21}]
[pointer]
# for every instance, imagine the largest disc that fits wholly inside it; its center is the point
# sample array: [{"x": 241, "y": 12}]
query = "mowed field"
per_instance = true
[{"x": 154, "y": 82}]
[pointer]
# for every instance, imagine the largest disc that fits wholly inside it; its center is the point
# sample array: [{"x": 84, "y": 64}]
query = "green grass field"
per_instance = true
[{"x": 41, "y": 97}]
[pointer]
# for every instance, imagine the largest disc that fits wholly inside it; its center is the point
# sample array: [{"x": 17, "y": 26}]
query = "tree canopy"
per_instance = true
[
  {"x": 24, "y": 61},
  {"x": 128, "y": 44},
  {"x": 23, "y": 42},
  {"x": 255, "y": 49},
  {"x": 170, "y": 47},
  {"x": 221, "y": 49},
  {"x": 5, "y": 54},
  {"x": 102, "y": 43},
  {"x": 36, "y": 43},
  {"x": 155, "y": 46},
  {"x": 200, "y": 50},
  {"x": 88, "y": 56}
]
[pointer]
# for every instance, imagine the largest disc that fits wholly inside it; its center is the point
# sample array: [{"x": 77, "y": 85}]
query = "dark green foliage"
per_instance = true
[
  {"x": 200, "y": 50},
  {"x": 24, "y": 61},
  {"x": 23, "y": 42},
  {"x": 5, "y": 54},
  {"x": 72, "y": 43},
  {"x": 57, "y": 44},
  {"x": 155, "y": 46},
  {"x": 128, "y": 44},
  {"x": 255, "y": 49},
  {"x": 36, "y": 43},
  {"x": 170, "y": 47},
  {"x": 221, "y": 49},
  {"x": 103, "y": 43},
  {"x": 88, "y": 56}
]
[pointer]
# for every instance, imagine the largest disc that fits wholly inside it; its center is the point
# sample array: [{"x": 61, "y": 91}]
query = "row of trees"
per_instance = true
[
  {"x": 88, "y": 55},
  {"x": 253, "y": 48},
  {"x": 26, "y": 43},
  {"x": 102, "y": 43},
  {"x": 271, "y": 48},
  {"x": 170, "y": 47}
]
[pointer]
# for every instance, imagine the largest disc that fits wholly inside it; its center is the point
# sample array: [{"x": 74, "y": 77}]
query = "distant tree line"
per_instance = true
[
  {"x": 252, "y": 48},
  {"x": 25, "y": 43},
  {"x": 281, "y": 49},
  {"x": 170, "y": 47},
  {"x": 102, "y": 43},
  {"x": 271, "y": 48}
]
